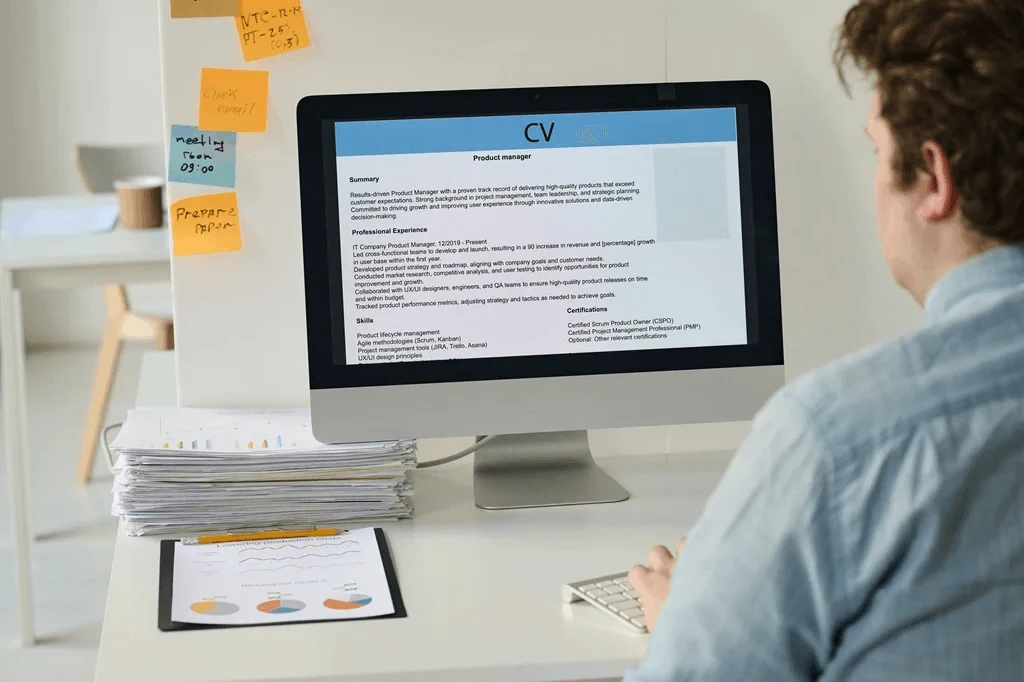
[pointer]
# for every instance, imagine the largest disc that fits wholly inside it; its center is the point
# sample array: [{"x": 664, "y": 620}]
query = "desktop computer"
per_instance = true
[{"x": 532, "y": 263}]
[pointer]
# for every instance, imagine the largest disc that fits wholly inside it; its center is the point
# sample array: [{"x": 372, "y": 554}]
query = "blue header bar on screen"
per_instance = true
[{"x": 537, "y": 131}]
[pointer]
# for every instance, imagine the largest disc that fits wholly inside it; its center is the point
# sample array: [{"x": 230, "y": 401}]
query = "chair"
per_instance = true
[{"x": 99, "y": 167}]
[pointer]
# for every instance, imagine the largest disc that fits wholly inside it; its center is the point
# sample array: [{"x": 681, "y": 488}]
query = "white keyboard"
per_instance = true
[{"x": 612, "y": 594}]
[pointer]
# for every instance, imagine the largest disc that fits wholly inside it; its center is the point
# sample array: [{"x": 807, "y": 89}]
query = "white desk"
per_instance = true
[
  {"x": 482, "y": 589},
  {"x": 121, "y": 256}
]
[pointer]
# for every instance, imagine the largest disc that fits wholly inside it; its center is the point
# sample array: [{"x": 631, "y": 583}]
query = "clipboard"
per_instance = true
[{"x": 165, "y": 599}]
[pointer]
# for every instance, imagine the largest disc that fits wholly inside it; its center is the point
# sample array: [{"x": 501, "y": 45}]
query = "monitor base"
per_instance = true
[{"x": 541, "y": 470}]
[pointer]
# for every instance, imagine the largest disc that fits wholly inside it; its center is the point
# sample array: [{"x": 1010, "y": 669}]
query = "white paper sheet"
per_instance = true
[
  {"x": 228, "y": 431},
  {"x": 47, "y": 222},
  {"x": 281, "y": 581}
]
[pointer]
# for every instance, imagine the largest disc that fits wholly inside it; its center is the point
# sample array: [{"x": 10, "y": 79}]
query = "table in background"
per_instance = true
[
  {"x": 482, "y": 589},
  {"x": 119, "y": 256}
]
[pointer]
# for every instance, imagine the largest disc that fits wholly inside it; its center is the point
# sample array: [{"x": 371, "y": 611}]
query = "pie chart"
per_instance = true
[
  {"x": 348, "y": 602},
  {"x": 209, "y": 607},
  {"x": 280, "y": 607}
]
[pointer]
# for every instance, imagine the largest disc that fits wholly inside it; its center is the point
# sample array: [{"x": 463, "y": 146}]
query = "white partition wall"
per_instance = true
[{"x": 240, "y": 316}]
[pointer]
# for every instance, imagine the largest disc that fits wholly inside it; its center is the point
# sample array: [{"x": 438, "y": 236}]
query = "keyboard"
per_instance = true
[{"x": 612, "y": 594}]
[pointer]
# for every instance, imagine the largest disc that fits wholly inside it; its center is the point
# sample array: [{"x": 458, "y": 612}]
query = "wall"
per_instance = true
[
  {"x": 74, "y": 71},
  {"x": 240, "y": 315}
]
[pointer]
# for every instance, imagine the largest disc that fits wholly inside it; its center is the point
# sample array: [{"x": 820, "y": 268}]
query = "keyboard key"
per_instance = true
[
  {"x": 625, "y": 605},
  {"x": 597, "y": 594},
  {"x": 614, "y": 589},
  {"x": 606, "y": 583},
  {"x": 624, "y": 580},
  {"x": 631, "y": 594},
  {"x": 587, "y": 588},
  {"x": 640, "y": 622},
  {"x": 633, "y": 613},
  {"x": 617, "y": 599}
]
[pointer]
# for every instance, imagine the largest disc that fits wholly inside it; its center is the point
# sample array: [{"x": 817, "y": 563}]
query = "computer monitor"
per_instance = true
[{"x": 537, "y": 262}]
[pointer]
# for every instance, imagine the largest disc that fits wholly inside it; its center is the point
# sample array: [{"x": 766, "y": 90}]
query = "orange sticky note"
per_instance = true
[
  {"x": 206, "y": 224},
  {"x": 233, "y": 100},
  {"x": 187, "y": 9},
  {"x": 271, "y": 27}
]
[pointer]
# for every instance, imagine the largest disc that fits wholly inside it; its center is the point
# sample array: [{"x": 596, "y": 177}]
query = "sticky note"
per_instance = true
[
  {"x": 188, "y": 9},
  {"x": 201, "y": 157},
  {"x": 235, "y": 100},
  {"x": 206, "y": 224},
  {"x": 271, "y": 27}
]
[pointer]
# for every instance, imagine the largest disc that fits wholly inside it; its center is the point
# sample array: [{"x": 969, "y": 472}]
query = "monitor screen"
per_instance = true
[
  {"x": 496, "y": 236},
  {"x": 530, "y": 233}
]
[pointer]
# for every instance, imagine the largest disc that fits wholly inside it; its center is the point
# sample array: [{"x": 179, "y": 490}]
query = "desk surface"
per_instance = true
[
  {"x": 482, "y": 589},
  {"x": 120, "y": 245}
]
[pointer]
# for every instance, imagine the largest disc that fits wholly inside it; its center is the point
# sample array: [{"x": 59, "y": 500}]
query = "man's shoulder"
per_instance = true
[
  {"x": 860, "y": 393},
  {"x": 902, "y": 383}
]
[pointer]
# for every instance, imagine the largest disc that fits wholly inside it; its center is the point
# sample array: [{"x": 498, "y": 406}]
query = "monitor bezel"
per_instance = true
[{"x": 316, "y": 116}]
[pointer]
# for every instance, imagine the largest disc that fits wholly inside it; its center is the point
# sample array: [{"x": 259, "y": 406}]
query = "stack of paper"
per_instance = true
[{"x": 183, "y": 470}]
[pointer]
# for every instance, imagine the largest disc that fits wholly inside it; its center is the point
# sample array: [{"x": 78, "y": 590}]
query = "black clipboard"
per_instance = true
[{"x": 165, "y": 623}]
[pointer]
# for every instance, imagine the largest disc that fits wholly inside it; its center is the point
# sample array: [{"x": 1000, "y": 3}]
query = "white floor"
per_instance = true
[{"x": 73, "y": 526}]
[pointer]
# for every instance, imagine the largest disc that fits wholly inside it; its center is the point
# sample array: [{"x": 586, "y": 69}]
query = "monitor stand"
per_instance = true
[{"x": 541, "y": 470}]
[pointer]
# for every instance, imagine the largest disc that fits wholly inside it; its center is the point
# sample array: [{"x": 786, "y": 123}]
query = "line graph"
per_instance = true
[
  {"x": 296, "y": 558},
  {"x": 311, "y": 545},
  {"x": 301, "y": 568}
]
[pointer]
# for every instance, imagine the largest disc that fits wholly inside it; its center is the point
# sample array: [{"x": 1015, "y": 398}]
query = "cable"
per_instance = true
[
  {"x": 106, "y": 447},
  {"x": 458, "y": 455}
]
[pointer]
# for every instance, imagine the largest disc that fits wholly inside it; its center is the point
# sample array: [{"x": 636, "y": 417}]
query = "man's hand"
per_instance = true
[{"x": 652, "y": 582}]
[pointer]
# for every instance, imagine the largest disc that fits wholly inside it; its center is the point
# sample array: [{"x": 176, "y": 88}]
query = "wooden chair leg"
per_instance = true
[
  {"x": 163, "y": 337},
  {"x": 106, "y": 368}
]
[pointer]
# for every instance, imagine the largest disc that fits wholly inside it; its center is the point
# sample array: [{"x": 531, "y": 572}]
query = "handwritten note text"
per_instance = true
[
  {"x": 202, "y": 158},
  {"x": 271, "y": 27},
  {"x": 233, "y": 100},
  {"x": 206, "y": 224}
]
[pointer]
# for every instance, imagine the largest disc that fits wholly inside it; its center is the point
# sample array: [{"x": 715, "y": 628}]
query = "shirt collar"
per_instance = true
[{"x": 1000, "y": 268}]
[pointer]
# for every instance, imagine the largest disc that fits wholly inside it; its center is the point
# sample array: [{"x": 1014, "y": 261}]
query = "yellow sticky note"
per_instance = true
[
  {"x": 233, "y": 100},
  {"x": 187, "y": 9},
  {"x": 271, "y": 27},
  {"x": 206, "y": 224}
]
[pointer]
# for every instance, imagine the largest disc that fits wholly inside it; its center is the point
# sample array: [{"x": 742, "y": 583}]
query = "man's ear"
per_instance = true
[{"x": 941, "y": 198}]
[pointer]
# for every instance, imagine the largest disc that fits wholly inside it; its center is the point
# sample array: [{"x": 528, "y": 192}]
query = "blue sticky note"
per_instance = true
[{"x": 202, "y": 157}]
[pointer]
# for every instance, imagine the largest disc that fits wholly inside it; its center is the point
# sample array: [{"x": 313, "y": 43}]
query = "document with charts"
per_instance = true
[{"x": 344, "y": 577}]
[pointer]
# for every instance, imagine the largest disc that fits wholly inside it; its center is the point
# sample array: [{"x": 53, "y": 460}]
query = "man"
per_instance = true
[{"x": 872, "y": 526}]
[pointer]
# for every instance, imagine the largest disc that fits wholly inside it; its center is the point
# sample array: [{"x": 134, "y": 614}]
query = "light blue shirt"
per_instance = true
[{"x": 871, "y": 528}]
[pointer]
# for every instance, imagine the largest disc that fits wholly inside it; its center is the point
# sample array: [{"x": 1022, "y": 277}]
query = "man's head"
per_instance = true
[{"x": 947, "y": 120}]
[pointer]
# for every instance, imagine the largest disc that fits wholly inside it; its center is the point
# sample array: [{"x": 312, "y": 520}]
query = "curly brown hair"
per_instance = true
[{"x": 952, "y": 72}]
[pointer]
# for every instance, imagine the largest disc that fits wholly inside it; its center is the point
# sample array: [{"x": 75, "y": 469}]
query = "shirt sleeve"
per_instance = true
[{"x": 752, "y": 597}]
